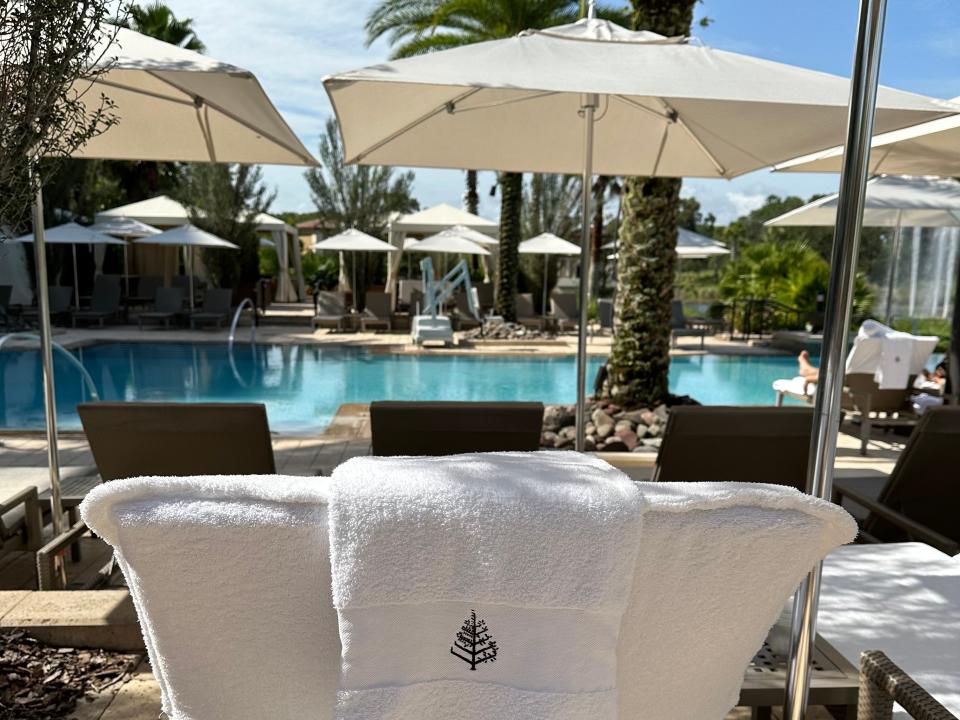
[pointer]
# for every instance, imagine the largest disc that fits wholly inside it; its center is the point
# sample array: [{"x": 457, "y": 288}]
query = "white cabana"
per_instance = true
[
  {"x": 73, "y": 234},
  {"x": 354, "y": 241},
  {"x": 127, "y": 229},
  {"x": 189, "y": 237},
  {"x": 166, "y": 212},
  {"x": 430, "y": 221},
  {"x": 547, "y": 244},
  {"x": 894, "y": 201},
  {"x": 931, "y": 148}
]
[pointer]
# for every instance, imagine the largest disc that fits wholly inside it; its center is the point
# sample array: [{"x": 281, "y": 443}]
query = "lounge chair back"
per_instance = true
[
  {"x": 377, "y": 304},
  {"x": 463, "y": 307},
  {"x": 678, "y": 320},
  {"x": 331, "y": 303},
  {"x": 168, "y": 300},
  {"x": 736, "y": 444},
  {"x": 106, "y": 295},
  {"x": 147, "y": 285},
  {"x": 217, "y": 300},
  {"x": 525, "y": 306},
  {"x": 605, "y": 313},
  {"x": 857, "y": 386},
  {"x": 923, "y": 484},
  {"x": 485, "y": 295},
  {"x": 450, "y": 428},
  {"x": 60, "y": 298},
  {"x": 5, "y": 292},
  {"x": 565, "y": 305},
  {"x": 233, "y": 587},
  {"x": 138, "y": 439}
]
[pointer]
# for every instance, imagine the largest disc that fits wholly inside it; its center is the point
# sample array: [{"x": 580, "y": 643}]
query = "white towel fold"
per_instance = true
[
  {"x": 481, "y": 586},
  {"x": 896, "y": 354}
]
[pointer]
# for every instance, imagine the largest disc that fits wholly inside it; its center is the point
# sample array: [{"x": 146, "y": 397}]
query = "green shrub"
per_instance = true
[
  {"x": 319, "y": 269},
  {"x": 926, "y": 326}
]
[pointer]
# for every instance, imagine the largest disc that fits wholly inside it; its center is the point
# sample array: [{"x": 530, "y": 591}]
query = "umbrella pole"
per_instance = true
[
  {"x": 76, "y": 280},
  {"x": 126, "y": 269},
  {"x": 546, "y": 279},
  {"x": 836, "y": 327},
  {"x": 353, "y": 263},
  {"x": 588, "y": 104},
  {"x": 894, "y": 261},
  {"x": 49, "y": 396},
  {"x": 190, "y": 252}
]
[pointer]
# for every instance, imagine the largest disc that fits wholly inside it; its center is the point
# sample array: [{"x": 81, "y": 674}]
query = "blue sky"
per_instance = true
[{"x": 291, "y": 44}]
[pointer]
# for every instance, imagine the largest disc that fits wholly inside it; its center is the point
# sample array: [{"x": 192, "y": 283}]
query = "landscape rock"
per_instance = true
[
  {"x": 615, "y": 445},
  {"x": 622, "y": 425},
  {"x": 558, "y": 416},
  {"x": 661, "y": 412},
  {"x": 629, "y": 438},
  {"x": 603, "y": 422},
  {"x": 634, "y": 416},
  {"x": 570, "y": 431},
  {"x": 653, "y": 442}
]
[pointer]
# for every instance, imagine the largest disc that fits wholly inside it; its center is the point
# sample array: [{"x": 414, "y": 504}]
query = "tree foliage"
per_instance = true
[
  {"x": 48, "y": 55},
  {"x": 158, "y": 21},
  {"x": 224, "y": 200}
]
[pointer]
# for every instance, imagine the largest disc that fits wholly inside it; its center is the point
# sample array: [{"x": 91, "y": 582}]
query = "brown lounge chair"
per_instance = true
[
  {"x": 60, "y": 298},
  {"x": 526, "y": 315},
  {"x": 564, "y": 306},
  {"x": 167, "y": 304},
  {"x": 736, "y": 444},
  {"x": 882, "y": 684},
  {"x": 920, "y": 501},
  {"x": 376, "y": 312},
  {"x": 449, "y": 428},
  {"x": 680, "y": 326},
  {"x": 104, "y": 303},
  {"x": 215, "y": 309},
  {"x": 137, "y": 439},
  {"x": 330, "y": 309},
  {"x": 464, "y": 318}
]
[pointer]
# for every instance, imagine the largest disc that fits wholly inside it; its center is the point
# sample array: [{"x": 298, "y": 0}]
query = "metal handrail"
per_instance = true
[
  {"x": 88, "y": 379},
  {"x": 236, "y": 319}
]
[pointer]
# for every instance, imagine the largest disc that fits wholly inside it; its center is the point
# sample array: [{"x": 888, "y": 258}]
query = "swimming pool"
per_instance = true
[{"x": 303, "y": 385}]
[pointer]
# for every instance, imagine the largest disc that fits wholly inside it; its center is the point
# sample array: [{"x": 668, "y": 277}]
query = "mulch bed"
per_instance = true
[{"x": 38, "y": 682}]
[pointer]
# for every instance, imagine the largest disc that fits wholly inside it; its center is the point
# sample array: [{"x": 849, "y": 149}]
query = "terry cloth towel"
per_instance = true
[
  {"x": 896, "y": 352},
  {"x": 481, "y": 586},
  {"x": 230, "y": 578},
  {"x": 716, "y": 563}
]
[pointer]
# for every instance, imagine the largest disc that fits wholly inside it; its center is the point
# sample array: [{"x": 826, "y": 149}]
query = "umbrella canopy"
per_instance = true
[
  {"x": 448, "y": 241},
  {"x": 931, "y": 148},
  {"x": 354, "y": 240},
  {"x": 73, "y": 234},
  {"x": 472, "y": 235},
  {"x": 892, "y": 200},
  {"x": 190, "y": 236},
  {"x": 124, "y": 227},
  {"x": 673, "y": 108},
  {"x": 178, "y": 105},
  {"x": 548, "y": 244},
  {"x": 439, "y": 217},
  {"x": 694, "y": 246}
]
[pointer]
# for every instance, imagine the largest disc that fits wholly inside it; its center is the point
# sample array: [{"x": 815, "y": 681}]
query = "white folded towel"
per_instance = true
[
  {"x": 896, "y": 354},
  {"x": 481, "y": 586}
]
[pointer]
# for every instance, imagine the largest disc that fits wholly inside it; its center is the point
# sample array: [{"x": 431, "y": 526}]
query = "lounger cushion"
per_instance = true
[{"x": 231, "y": 579}]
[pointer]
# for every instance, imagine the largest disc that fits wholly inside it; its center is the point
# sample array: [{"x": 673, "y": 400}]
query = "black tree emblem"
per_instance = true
[{"x": 474, "y": 643}]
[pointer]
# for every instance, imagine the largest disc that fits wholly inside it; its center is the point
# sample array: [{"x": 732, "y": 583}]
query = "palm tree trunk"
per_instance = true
[
  {"x": 639, "y": 361},
  {"x": 596, "y": 234},
  {"x": 511, "y": 204},
  {"x": 471, "y": 198}
]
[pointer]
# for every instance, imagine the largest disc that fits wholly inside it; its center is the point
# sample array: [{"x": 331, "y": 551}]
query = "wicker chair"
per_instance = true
[{"x": 882, "y": 684}]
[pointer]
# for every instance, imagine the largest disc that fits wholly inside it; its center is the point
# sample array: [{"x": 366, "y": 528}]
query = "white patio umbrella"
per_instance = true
[
  {"x": 931, "y": 148},
  {"x": 127, "y": 229},
  {"x": 172, "y": 104},
  {"x": 547, "y": 244},
  {"x": 472, "y": 235},
  {"x": 546, "y": 101},
  {"x": 894, "y": 201},
  {"x": 447, "y": 241},
  {"x": 354, "y": 241},
  {"x": 74, "y": 234},
  {"x": 690, "y": 246},
  {"x": 190, "y": 237}
]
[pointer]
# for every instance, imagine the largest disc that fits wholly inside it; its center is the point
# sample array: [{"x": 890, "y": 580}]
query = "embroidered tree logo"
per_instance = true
[{"x": 474, "y": 644}]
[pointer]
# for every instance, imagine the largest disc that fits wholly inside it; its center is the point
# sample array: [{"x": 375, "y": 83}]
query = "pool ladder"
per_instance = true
[{"x": 87, "y": 379}]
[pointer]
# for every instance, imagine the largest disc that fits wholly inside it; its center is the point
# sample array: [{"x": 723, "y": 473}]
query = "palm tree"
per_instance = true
[
  {"x": 158, "y": 21},
  {"x": 415, "y": 27},
  {"x": 640, "y": 357}
]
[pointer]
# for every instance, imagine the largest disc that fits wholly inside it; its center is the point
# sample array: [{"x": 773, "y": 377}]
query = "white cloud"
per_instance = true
[{"x": 743, "y": 203}]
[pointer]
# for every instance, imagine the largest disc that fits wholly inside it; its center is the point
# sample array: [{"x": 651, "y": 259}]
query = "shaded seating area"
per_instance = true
[
  {"x": 168, "y": 303},
  {"x": 60, "y": 297},
  {"x": 104, "y": 302},
  {"x": 920, "y": 501},
  {"x": 680, "y": 327},
  {"x": 450, "y": 428},
  {"x": 526, "y": 314},
  {"x": 330, "y": 310},
  {"x": 736, "y": 444},
  {"x": 564, "y": 309},
  {"x": 376, "y": 312},
  {"x": 215, "y": 309}
]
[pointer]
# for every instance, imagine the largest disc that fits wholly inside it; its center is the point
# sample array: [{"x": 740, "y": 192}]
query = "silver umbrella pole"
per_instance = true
[
  {"x": 49, "y": 396},
  {"x": 836, "y": 328},
  {"x": 588, "y": 105},
  {"x": 894, "y": 261}
]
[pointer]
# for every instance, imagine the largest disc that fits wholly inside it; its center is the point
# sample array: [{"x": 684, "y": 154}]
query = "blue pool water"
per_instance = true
[{"x": 303, "y": 385}]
